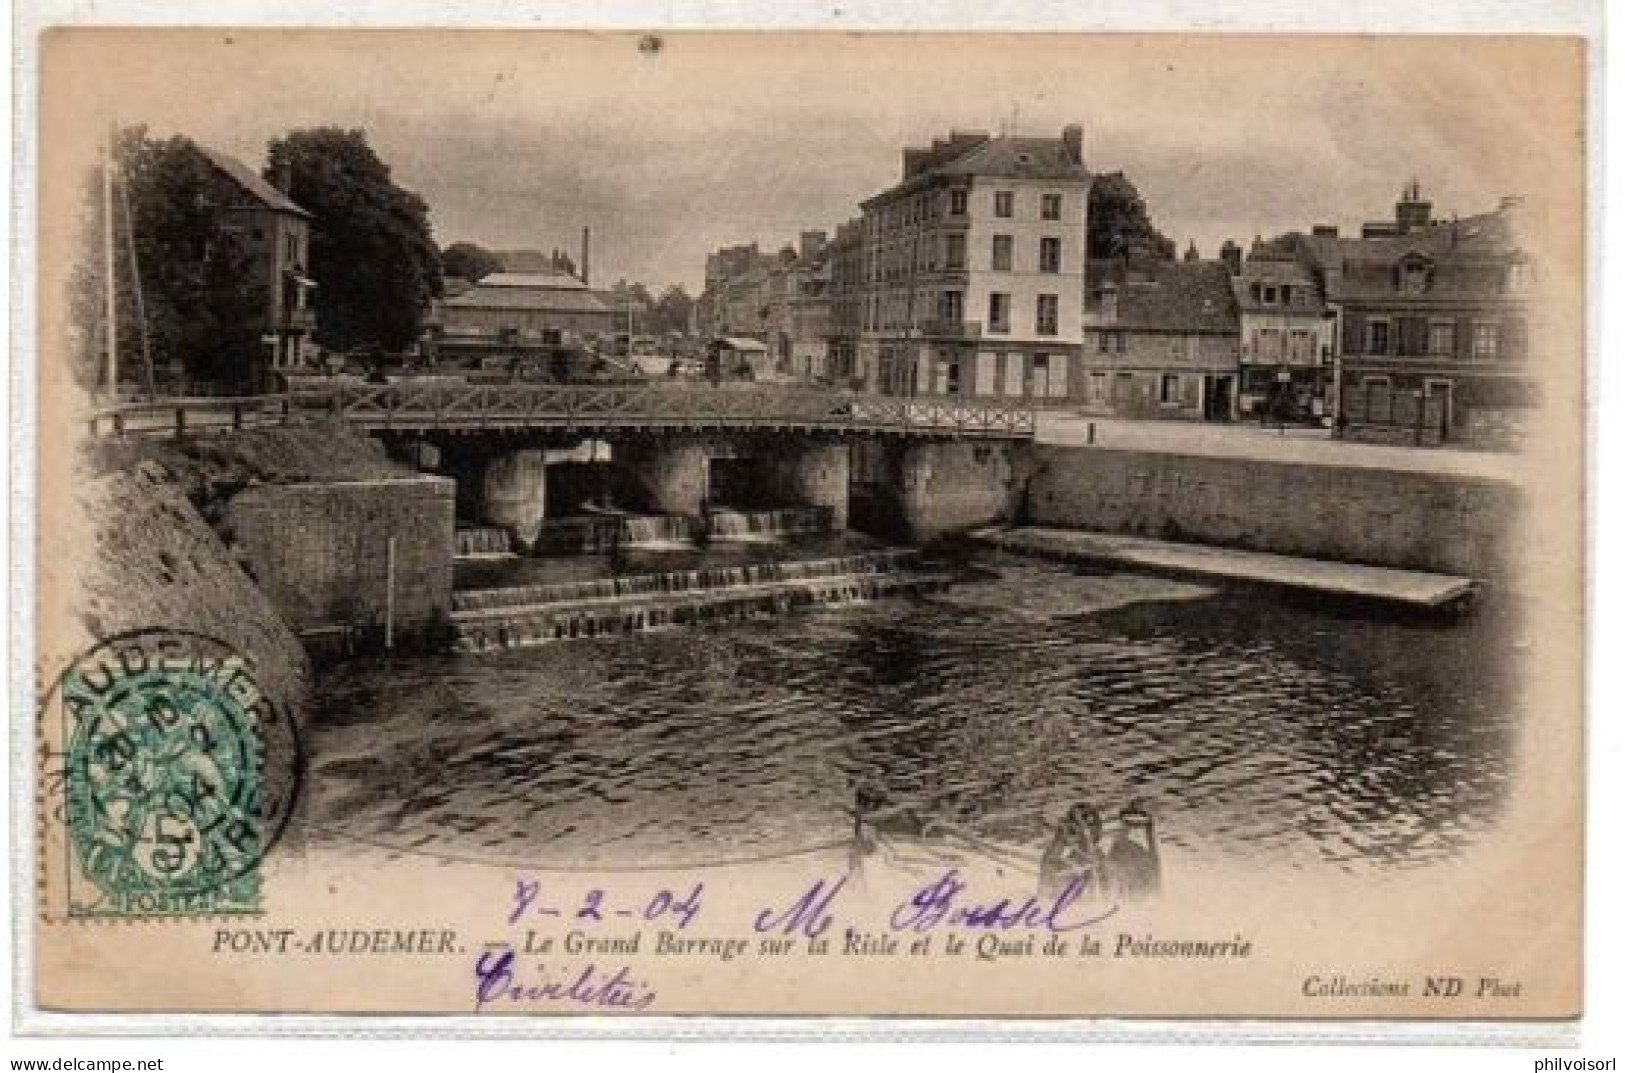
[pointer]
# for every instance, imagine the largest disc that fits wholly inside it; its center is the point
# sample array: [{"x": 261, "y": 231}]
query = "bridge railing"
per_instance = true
[
  {"x": 451, "y": 405},
  {"x": 480, "y": 406}
]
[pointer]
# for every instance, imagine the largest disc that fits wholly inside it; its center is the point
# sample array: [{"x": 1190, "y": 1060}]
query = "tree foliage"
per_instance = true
[
  {"x": 673, "y": 311},
  {"x": 197, "y": 291},
  {"x": 371, "y": 249},
  {"x": 465, "y": 260},
  {"x": 1119, "y": 221}
]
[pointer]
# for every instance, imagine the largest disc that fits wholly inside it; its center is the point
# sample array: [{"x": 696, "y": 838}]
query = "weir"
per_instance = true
[{"x": 491, "y": 619}]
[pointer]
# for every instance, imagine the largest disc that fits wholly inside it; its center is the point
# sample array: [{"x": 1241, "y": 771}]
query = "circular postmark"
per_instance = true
[{"x": 179, "y": 773}]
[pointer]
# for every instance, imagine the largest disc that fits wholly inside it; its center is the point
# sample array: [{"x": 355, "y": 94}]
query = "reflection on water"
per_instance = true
[{"x": 1257, "y": 729}]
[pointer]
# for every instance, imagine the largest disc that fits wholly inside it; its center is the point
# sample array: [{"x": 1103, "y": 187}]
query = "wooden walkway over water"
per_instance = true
[{"x": 1415, "y": 588}]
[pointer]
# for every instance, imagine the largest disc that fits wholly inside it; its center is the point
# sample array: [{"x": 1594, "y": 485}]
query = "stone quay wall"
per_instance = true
[{"x": 1382, "y": 517}]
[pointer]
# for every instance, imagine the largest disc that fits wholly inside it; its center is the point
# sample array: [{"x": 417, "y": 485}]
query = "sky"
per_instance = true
[{"x": 669, "y": 149}]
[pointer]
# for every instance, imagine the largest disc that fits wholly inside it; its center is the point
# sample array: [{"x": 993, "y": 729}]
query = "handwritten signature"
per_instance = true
[
  {"x": 946, "y": 901},
  {"x": 501, "y": 980}
]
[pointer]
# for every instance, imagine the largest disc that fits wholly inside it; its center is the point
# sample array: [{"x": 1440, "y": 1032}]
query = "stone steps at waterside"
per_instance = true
[{"x": 715, "y": 594}]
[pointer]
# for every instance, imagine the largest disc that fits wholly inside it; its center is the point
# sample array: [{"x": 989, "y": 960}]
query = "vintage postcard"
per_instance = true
[{"x": 555, "y": 524}]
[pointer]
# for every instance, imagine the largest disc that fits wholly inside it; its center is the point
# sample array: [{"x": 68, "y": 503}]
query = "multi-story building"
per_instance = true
[
  {"x": 1287, "y": 336},
  {"x": 274, "y": 232},
  {"x": 782, "y": 301},
  {"x": 804, "y": 335},
  {"x": 1164, "y": 341},
  {"x": 973, "y": 267},
  {"x": 735, "y": 299},
  {"x": 1432, "y": 340},
  {"x": 848, "y": 300}
]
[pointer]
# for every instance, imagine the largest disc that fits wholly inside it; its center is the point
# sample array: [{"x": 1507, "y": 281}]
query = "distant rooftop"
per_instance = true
[
  {"x": 554, "y": 292},
  {"x": 965, "y": 153},
  {"x": 551, "y": 280}
]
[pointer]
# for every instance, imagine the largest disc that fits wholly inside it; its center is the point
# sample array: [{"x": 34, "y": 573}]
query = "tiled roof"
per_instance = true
[
  {"x": 1462, "y": 249},
  {"x": 1004, "y": 157},
  {"x": 251, "y": 183},
  {"x": 1306, "y": 295},
  {"x": 559, "y": 281},
  {"x": 1186, "y": 296},
  {"x": 1010, "y": 157},
  {"x": 546, "y": 296}
]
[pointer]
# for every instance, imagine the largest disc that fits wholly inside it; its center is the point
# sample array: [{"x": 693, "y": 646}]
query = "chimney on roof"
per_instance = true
[
  {"x": 1192, "y": 253},
  {"x": 1072, "y": 136},
  {"x": 1230, "y": 254},
  {"x": 1411, "y": 213},
  {"x": 586, "y": 255}
]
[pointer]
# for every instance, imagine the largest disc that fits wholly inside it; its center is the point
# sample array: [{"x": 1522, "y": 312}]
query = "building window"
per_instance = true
[
  {"x": 951, "y": 306},
  {"x": 958, "y": 201},
  {"x": 1004, "y": 203},
  {"x": 1269, "y": 296},
  {"x": 1015, "y": 377},
  {"x": 1104, "y": 339},
  {"x": 998, "y": 312},
  {"x": 1486, "y": 340},
  {"x": 1517, "y": 277},
  {"x": 1003, "y": 252},
  {"x": 1049, "y": 314},
  {"x": 1168, "y": 389},
  {"x": 1049, "y": 375},
  {"x": 1376, "y": 337},
  {"x": 956, "y": 251},
  {"x": 1442, "y": 337},
  {"x": 1098, "y": 383},
  {"x": 1051, "y": 207},
  {"x": 1049, "y": 254}
]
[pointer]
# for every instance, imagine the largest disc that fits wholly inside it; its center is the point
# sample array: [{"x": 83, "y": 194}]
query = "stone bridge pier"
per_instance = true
[
  {"x": 686, "y": 474},
  {"x": 507, "y": 483},
  {"x": 513, "y": 493}
]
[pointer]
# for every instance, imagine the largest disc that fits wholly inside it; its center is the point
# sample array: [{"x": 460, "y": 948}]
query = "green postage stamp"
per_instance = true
[{"x": 164, "y": 762}]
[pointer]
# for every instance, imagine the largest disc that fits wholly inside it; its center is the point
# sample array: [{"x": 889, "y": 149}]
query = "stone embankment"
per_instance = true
[{"x": 143, "y": 540}]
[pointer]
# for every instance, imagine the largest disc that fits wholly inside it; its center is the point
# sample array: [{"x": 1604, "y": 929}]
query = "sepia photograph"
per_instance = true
[{"x": 538, "y": 524}]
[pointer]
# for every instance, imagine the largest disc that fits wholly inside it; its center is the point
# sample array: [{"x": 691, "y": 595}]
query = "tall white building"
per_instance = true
[{"x": 973, "y": 268}]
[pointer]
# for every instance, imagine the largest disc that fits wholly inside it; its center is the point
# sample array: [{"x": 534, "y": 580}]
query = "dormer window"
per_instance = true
[
  {"x": 1517, "y": 278},
  {"x": 1414, "y": 275}
]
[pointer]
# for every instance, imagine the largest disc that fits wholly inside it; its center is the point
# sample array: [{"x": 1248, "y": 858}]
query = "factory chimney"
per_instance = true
[{"x": 586, "y": 255}]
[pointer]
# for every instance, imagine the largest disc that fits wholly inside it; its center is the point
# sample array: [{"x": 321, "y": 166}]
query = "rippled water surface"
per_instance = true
[{"x": 1254, "y": 727}]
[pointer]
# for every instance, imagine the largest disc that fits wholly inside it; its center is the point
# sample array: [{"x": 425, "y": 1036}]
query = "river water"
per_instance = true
[{"x": 1255, "y": 727}]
